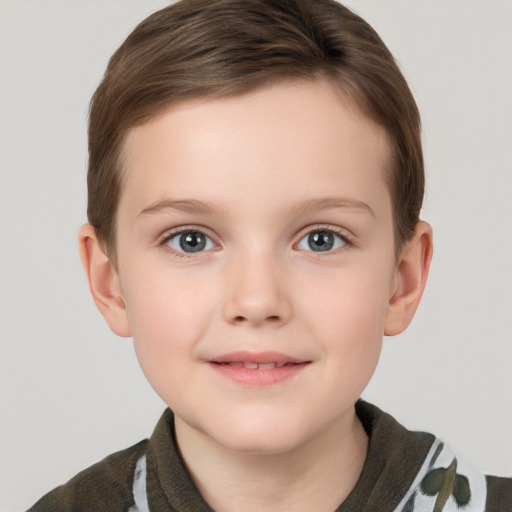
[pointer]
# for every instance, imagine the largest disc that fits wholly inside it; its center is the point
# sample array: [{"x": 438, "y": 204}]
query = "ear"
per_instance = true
[
  {"x": 411, "y": 277},
  {"x": 103, "y": 281}
]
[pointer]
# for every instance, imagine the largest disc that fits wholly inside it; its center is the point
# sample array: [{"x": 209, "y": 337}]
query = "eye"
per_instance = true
[
  {"x": 321, "y": 240},
  {"x": 190, "y": 241}
]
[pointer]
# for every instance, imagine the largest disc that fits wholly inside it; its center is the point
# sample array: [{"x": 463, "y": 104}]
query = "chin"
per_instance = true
[
  {"x": 257, "y": 446},
  {"x": 259, "y": 437}
]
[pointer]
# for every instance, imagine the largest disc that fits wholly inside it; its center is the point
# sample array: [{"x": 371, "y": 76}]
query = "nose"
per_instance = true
[{"x": 256, "y": 292}]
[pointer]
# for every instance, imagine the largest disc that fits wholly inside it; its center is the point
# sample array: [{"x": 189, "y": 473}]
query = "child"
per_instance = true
[{"x": 255, "y": 182}]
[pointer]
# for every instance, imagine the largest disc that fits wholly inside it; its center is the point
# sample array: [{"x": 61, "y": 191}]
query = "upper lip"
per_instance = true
[{"x": 257, "y": 357}]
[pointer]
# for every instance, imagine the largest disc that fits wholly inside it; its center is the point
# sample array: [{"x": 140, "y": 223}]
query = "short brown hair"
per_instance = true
[{"x": 218, "y": 48}]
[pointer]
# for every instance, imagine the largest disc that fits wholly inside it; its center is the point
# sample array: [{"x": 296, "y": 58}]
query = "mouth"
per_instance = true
[
  {"x": 254, "y": 366},
  {"x": 258, "y": 369}
]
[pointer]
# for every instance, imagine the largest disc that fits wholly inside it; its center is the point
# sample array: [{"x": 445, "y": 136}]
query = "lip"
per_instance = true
[{"x": 257, "y": 369}]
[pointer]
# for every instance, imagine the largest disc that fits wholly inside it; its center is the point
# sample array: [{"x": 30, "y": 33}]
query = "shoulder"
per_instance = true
[
  {"x": 447, "y": 481},
  {"x": 419, "y": 472},
  {"x": 107, "y": 483},
  {"x": 499, "y": 494}
]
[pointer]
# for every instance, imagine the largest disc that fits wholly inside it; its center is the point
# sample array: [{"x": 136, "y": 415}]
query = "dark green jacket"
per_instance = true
[{"x": 404, "y": 472}]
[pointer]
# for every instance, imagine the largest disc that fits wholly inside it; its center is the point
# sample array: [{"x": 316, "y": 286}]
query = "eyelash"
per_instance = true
[
  {"x": 168, "y": 236},
  {"x": 345, "y": 237}
]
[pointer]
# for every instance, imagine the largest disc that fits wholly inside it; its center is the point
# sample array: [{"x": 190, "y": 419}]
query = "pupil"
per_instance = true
[
  {"x": 321, "y": 241},
  {"x": 192, "y": 242}
]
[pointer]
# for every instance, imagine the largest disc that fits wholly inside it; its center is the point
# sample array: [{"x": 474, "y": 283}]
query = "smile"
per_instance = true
[
  {"x": 258, "y": 369},
  {"x": 256, "y": 366}
]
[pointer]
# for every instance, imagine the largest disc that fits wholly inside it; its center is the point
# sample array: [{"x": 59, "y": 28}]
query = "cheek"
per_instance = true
[
  {"x": 168, "y": 317},
  {"x": 346, "y": 312},
  {"x": 351, "y": 300}
]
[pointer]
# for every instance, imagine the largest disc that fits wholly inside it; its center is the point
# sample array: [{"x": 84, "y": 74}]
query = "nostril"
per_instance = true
[{"x": 272, "y": 319}]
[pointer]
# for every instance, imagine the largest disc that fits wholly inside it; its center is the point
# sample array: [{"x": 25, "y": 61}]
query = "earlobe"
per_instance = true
[
  {"x": 103, "y": 281},
  {"x": 411, "y": 277}
]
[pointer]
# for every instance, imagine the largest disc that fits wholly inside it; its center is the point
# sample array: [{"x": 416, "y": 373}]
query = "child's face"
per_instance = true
[{"x": 258, "y": 229}]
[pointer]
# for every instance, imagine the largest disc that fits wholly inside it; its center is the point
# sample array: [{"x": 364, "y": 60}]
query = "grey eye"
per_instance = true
[
  {"x": 321, "y": 240},
  {"x": 190, "y": 241}
]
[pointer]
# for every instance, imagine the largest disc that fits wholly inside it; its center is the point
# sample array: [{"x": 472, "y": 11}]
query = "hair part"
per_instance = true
[{"x": 222, "y": 48}]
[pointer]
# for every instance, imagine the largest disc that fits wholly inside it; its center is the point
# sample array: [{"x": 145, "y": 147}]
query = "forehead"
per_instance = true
[{"x": 299, "y": 135}]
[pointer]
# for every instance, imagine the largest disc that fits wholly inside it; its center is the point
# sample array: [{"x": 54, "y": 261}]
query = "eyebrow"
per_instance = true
[
  {"x": 305, "y": 206},
  {"x": 183, "y": 205},
  {"x": 328, "y": 203}
]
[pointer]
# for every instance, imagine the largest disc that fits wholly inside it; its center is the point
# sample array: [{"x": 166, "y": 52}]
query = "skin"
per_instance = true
[{"x": 268, "y": 168}]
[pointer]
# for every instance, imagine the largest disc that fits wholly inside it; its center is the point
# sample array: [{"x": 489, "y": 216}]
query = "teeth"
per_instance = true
[
  {"x": 254, "y": 366},
  {"x": 267, "y": 366}
]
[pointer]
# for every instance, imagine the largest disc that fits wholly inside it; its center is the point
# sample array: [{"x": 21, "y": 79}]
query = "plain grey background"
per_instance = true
[{"x": 71, "y": 392}]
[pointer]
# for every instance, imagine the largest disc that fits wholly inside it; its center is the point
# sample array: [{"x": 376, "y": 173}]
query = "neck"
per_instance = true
[{"x": 316, "y": 475}]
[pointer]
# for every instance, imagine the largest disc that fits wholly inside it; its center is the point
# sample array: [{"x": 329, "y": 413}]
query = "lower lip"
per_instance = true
[{"x": 255, "y": 377}]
